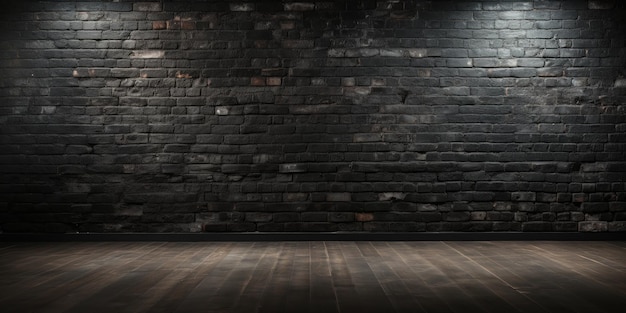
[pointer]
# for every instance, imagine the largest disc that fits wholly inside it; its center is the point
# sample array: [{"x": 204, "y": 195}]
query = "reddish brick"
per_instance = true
[
  {"x": 188, "y": 25},
  {"x": 157, "y": 25},
  {"x": 257, "y": 81},
  {"x": 364, "y": 217}
]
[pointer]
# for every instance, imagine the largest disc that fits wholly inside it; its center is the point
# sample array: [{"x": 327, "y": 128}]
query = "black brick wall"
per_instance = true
[{"x": 364, "y": 115}]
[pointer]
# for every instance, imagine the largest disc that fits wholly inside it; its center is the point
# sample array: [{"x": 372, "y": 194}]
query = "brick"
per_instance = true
[
  {"x": 159, "y": 25},
  {"x": 376, "y": 227},
  {"x": 286, "y": 217},
  {"x": 364, "y": 217},
  {"x": 618, "y": 226},
  {"x": 147, "y": 6},
  {"x": 593, "y": 226},
  {"x": 242, "y": 6},
  {"x": 459, "y": 62},
  {"x": 258, "y": 217},
  {"x": 600, "y": 4},
  {"x": 334, "y": 197},
  {"x": 314, "y": 216},
  {"x": 565, "y": 226},
  {"x": 335, "y": 217},
  {"x": 457, "y": 216},
  {"x": 595, "y": 207},
  {"x": 148, "y": 54},
  {"x": 299, "y": 6}
]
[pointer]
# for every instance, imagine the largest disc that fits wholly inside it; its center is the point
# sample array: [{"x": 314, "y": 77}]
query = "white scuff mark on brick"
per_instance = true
[
  {"x": 620, "y": 83},
  {"x": 362, "y": 52},
  {"x": 48, "y": 109},
  {"x": 292, "y": 168},
  {"x": 387, "y": 196},
  {"x": 394, "y": 53},
  {"x": 242, "y": 7},
  {"x": 418, "y": 53},
  {"x": 221, "y": 111},
  {"x": 148, "y": 54},
  {"x": 601, "y": 4},
  {"x": 338, "y": 197},
  {"x": 299, "y": 6},
  {"x": 336, "y": 53}
]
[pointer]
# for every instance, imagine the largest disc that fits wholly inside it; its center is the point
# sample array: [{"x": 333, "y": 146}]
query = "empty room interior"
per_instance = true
[{"x": 268, "y": 156}]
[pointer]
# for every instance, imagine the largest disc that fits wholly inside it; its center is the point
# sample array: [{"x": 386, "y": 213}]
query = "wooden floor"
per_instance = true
[{"x": 274, "y": 277}]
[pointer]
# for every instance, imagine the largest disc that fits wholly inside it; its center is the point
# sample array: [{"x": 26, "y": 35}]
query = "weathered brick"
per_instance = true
[
  {"x": 284, "y": 217},
  {"x": 618, "y": 226},
  {"x": 147, "y": 6},
  {"x": 486, "y": 123},
  {"x": 600, "y": 4},
  {"x": 299, "y": 6},
  {"x": 595, "y": 207},
  {"x": 341, "y": 217},
  {"x": 593, "y": 226},
  {"x": 523, "y": 196},
  {"x": 256, "y": 217}
]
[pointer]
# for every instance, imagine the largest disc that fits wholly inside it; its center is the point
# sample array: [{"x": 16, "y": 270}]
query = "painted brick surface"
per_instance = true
[{"x": 188, "y": 116}]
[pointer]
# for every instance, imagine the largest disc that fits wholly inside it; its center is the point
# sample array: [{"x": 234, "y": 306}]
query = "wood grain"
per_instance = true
[{"x": 333, "y": 276}]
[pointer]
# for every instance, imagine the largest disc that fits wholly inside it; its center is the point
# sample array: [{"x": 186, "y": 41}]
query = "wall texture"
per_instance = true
[{"x": 400, "y": 115}]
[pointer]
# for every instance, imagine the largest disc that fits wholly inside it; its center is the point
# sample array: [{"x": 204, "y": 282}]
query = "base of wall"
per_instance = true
[{"x": 335, "y": 236}]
